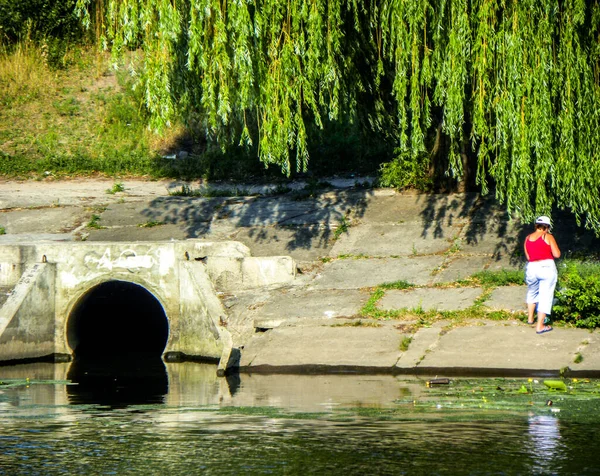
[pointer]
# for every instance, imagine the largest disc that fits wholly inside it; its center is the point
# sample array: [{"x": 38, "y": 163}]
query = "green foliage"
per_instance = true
[
  {"x": 513, "y": 85},
  {"x": 39, "y": 19},
  {"x": 578, "y": 296},
  {"x": 116, "y": 188},
  {"x": 52, "y": 24},
  {"x": 406, "y": 171}
]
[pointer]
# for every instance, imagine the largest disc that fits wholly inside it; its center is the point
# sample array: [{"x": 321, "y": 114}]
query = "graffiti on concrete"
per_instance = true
[{"x": 127, "y": 259}]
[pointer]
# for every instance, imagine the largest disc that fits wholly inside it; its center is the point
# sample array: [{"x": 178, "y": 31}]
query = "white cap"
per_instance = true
[{"x": 543, "y": 220}]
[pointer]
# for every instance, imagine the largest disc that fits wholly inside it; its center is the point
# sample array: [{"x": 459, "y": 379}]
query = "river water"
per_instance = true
[{"x": 180, "y": 418}]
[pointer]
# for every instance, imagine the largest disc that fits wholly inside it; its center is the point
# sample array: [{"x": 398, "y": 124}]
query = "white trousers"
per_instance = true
[{"x": 540, "y": 277}]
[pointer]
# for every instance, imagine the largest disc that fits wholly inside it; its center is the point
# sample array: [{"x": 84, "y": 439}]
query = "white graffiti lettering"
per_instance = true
[{"x": 128, "y": 259}]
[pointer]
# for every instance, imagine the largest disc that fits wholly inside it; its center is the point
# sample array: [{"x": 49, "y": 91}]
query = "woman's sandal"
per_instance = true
[{"x": 545, "y": 329}]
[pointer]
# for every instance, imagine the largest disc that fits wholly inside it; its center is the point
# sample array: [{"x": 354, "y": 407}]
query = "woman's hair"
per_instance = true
[{"x": 540, "y": 226}]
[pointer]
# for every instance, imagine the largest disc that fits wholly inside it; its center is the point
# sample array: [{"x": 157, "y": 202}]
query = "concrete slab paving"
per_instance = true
[
  {"x": 391, "y": 239},
  {"x": 360, "y": 273},
  {"x": 183, "y": 211},
  {"x": 430, "y": 210},
  {"x": 508, "y": 298},
  {"x": 325, "y": 210},
  {"x": 329, "y": 346},
  {"x": 16, "y": 239},
  {"x": 78, "y": 192},
  {"x": 293, "y": 304},
  {"x": 494, "y": 238},
  {"x": 430, "y": 299},
  {"x": 514, "y": 262},
  {"x": 136, "y": 233},
  {"x": 459, "y": 266},
  {"x": 421, "y": 343},
  {"x": 46, "y": 220},
  {"x": 303, "y": 243},
  {"x": 589, "y": 348},
  {"x": 168, "y": 211},
  {"x": 503, "y": 346}
]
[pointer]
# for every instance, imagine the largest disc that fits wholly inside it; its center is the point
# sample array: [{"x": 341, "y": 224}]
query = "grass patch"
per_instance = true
[
  {"x": 341, "y": 228},
  {"x": 351, "y": 256},
  {"x": 95, "y": 222},
  {"x": 504, "y": 277},
  {"x": 150, "y": 224},
  {"x": 2, "y": 230},
  {"x": 455, "y": 248},
  {"x": 405, "y": 343},
  {"x": 116, "y": 188},
  {"x": 578, "y": 358},
  {"x": 370, "y": 308},
  {"x": 424, "y": 317},
  {"x": 82, "y": 120},
  {"x": 397, "y": 285},
  {"x": 358, "y": 323}
]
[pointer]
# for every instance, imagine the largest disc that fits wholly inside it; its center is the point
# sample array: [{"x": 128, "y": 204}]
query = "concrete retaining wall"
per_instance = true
[
  {"x": 26, "y": 327},
  {"x": 182, "y": 276}
]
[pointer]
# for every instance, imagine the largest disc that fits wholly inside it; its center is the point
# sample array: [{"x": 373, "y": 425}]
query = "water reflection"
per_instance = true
[
  {"x": 180, "y": 418},
  {"x": 119, "y": 381},
  {"x": 545, "y": 441}
]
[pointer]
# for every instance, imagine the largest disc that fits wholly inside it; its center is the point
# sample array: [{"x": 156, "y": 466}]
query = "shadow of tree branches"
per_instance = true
[{"x": 268, "y": 225}]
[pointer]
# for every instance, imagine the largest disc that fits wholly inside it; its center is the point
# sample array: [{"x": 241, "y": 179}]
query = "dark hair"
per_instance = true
[{"x": 542, "y": 225}]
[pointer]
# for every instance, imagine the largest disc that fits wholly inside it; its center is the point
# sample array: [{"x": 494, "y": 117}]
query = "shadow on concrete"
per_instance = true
[
  {"x": 304, "y": 229},
  {"x": 268, "y": 225},
  {"x": 489, "y": 224},
  {"x": 194, "y": 214}
]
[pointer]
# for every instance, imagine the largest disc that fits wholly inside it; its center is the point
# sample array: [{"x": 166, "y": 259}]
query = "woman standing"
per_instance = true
[{"x": 540, "y": 274}]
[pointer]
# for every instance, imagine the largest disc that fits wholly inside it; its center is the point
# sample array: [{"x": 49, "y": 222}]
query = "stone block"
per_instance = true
[{"x": 267, "y": 271}]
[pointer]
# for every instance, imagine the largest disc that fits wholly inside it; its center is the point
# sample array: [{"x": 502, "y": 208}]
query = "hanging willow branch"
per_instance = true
[{"x": 517, "y": 80}]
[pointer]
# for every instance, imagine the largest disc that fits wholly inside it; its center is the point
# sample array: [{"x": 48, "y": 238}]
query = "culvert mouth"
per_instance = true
[{"x": 117, "y": 318}]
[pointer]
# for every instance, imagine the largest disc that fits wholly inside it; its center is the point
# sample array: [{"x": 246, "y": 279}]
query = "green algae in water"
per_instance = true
[
  {"x": 19, "y": 382},
  {"x": 508, "y": 395}
]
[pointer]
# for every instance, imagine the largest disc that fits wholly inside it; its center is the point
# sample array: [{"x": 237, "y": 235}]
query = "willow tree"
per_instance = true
[{"x": 512, "y": 85}]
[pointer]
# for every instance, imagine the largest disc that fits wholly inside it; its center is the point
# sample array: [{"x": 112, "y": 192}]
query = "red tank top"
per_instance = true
[{"x": 538, "y": 249}]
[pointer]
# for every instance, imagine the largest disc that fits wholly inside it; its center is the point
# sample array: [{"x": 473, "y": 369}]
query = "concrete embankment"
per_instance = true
[{"x": 346, "y": 241}]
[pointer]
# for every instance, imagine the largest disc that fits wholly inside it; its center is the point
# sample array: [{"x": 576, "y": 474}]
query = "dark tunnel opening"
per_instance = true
[{"x": 117, "y": 318}]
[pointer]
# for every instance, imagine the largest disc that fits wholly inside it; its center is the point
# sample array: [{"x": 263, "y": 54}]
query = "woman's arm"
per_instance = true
[
  {"x": 553, "y": 245},
  {"x": 525, "y": 247}
]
